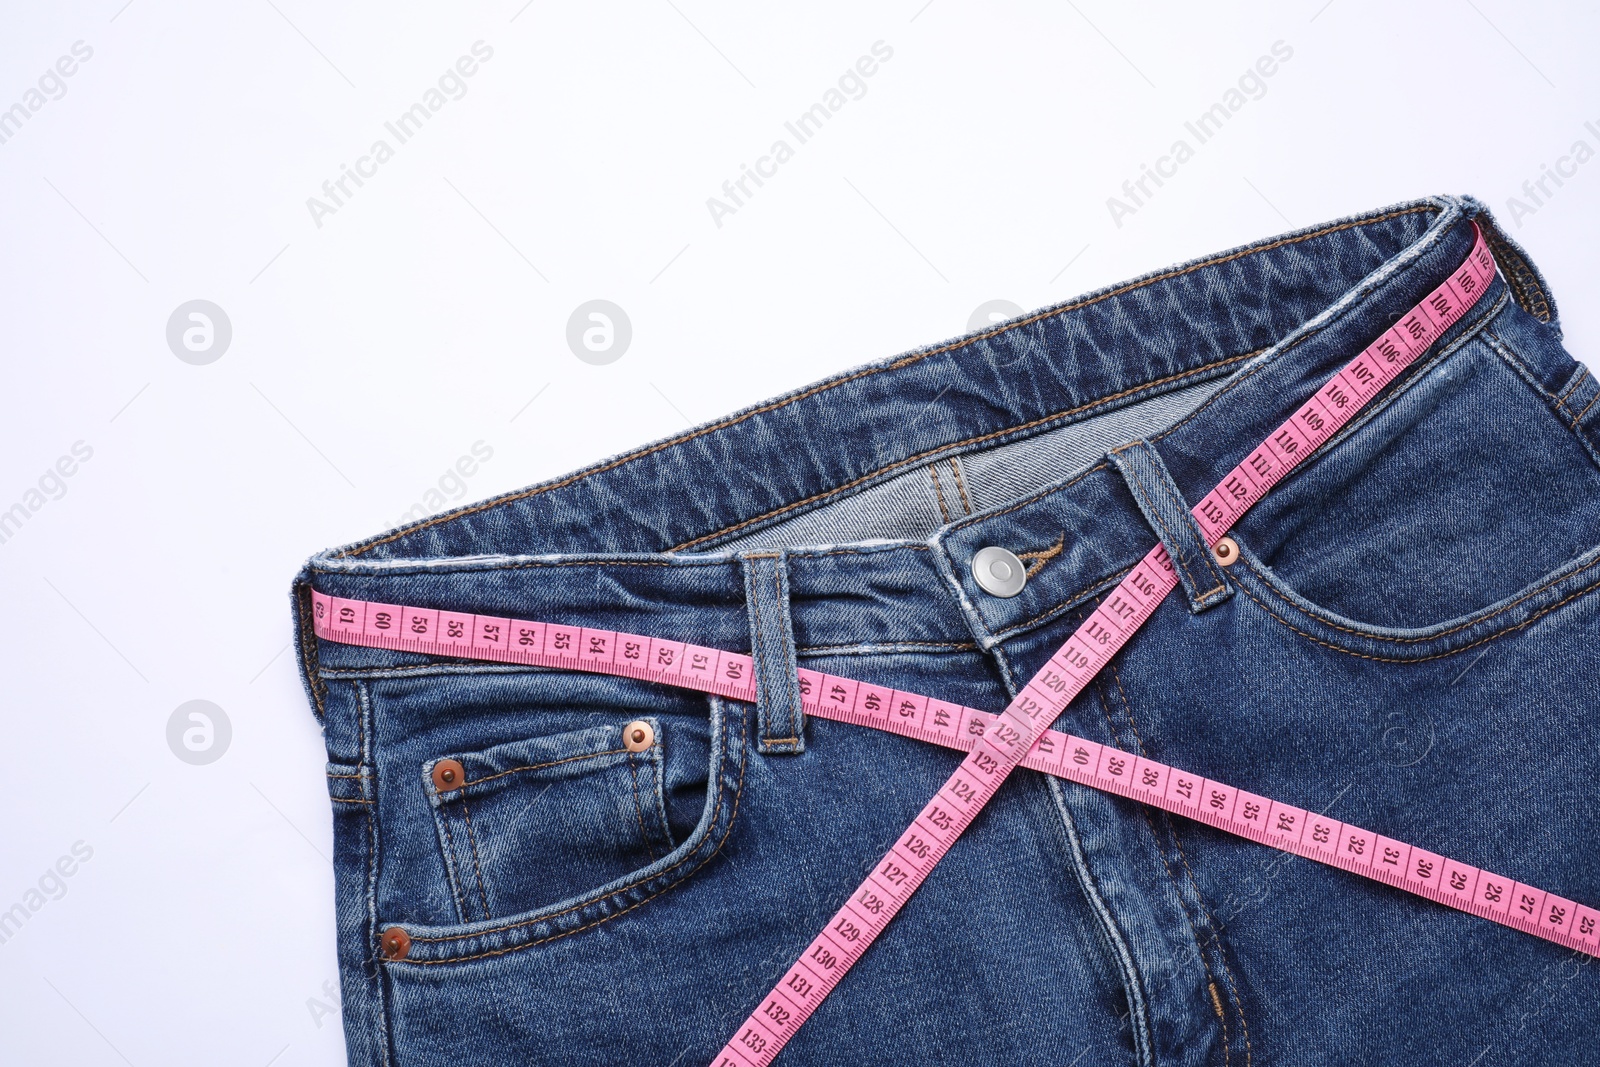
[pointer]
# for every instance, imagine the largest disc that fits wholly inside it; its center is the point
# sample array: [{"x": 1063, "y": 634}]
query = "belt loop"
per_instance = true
[
  {"x": 781, "y": 720},
  {"x": 1169, "y": 515}
]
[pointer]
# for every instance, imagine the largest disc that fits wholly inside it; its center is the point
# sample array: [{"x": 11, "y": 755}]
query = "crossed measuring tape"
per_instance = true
[{"x": 1020, "y": 735}]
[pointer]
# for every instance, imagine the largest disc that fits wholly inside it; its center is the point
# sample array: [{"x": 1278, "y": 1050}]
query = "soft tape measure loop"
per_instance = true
[{"x": 1020, "y": 735}]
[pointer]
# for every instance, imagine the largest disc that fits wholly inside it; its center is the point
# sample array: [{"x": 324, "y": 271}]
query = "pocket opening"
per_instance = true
[
  {"x": 1457, "y": 493},
  {"x": 535, "y": 820},
  {"x": 483, "y": 939}
]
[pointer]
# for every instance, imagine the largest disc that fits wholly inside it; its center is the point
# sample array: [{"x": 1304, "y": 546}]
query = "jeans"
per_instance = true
[{"x": 1408, "y": 642}]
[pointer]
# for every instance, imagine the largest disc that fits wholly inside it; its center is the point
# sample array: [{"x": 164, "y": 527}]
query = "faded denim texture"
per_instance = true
[{"x": 1409, "y": 642}]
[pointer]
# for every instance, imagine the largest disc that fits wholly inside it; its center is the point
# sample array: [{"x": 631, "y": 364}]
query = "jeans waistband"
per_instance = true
[{"x": 649, "y": 542}]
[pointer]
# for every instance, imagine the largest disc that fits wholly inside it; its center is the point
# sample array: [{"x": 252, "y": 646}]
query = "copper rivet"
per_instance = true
[
  {"x": 638, "y": 736},
  {"x": 448, "y": 774},
  {"x": 396, "y": 943},
  {"x": 1226, "y": 551}
]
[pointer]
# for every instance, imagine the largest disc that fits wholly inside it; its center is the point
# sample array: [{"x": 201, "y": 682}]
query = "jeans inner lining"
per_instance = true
[{"x": 912, "y": 506}]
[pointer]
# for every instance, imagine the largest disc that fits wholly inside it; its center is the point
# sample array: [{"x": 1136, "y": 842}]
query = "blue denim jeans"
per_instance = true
[{"x": 1409, "y": 641}]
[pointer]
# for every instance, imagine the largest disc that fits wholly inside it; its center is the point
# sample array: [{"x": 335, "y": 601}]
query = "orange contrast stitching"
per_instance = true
[
  {"x": 451, "y": 861},
  {"x": 760, "y": 656},
  {"x": 1579, "y": 416},
  {"x": 933, "y": 470},
  {"x": 1431, "y": 637},
  {"x": 1227, "y": 972},
  {"x": 1437, "y": 655},
  {"x": 556, "y": 937},
  {"x": 795, "y": 711},
  {"x": 638, "y": 810},
  {"x": 961, "y": 487},
  {"x": 1088, "y": 590},
  {"x": 541, "y": 766},
  {"x": 476, "y": 863},
  {"x": 1465, "y": 335},
  {"x": 1042, "y": 556}
]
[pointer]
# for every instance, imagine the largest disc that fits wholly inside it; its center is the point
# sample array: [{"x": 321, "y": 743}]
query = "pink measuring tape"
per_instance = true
[{"x": 1020, "y": 735}]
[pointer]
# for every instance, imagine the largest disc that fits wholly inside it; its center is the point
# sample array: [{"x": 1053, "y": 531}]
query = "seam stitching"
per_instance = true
[
  {"x": 1039, "y": 558},
  {"x": 638, "y": 811},
  {"x": 1246, "y": 376},
  {"x": 1227, "y": 972},
  {"x": 1034, "y": 499},
  {"x": 607, "y": 918},
  {"x": 1561, "y": 400},
  {"x": 1463, "y": 338},
  {"x": 476, "y": 863},
  {"x": 959, "y": 646},
  {"x": 938, "y": 491},
  {"x": 1520, "y": 277},
  {"x": 1437, "y": 655},
  {"x": 1504, "y": 350},
  {"x": 1431, "y": 637},
  {"x": 372, "y": 969},
  {"x": 1066, "y": 604},
  {"x": 310, "y": 660},
  {"x": 1579, "y": 416},
  {"x": 1577, "y": 377},
  {"x": 758, "y": 655},
  {"x": 791, "y": 669},
  {"x": 1194, "y": 930},
  {"x": 541, "y": 766},
  {"x": 803, "y": 554},
  {"x": 450, "y": 863},
  {"x": 961, "y": 487},
  {"x": 658, "y": 781}
]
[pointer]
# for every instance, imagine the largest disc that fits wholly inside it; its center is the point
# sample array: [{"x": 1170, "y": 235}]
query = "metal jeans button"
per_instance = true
[
  {"x": 448, "y": 774},
  {"x": 396, "y": 943},
  {"x": 638, "y": 736},
  {"x": 999, "y": 572}
]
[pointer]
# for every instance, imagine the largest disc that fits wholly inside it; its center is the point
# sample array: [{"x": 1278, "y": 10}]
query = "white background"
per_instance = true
[{"x": 421, "y": 317}]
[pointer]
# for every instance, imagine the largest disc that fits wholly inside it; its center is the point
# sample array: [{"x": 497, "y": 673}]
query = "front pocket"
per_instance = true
[
  {"x": 528, "y": 823},
  {"x": 722, "y": 753},
  {"x": 1453, "y": 495}
]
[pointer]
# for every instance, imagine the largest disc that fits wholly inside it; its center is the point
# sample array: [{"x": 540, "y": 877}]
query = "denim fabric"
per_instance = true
[{"x": 1408, "y": 642}]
